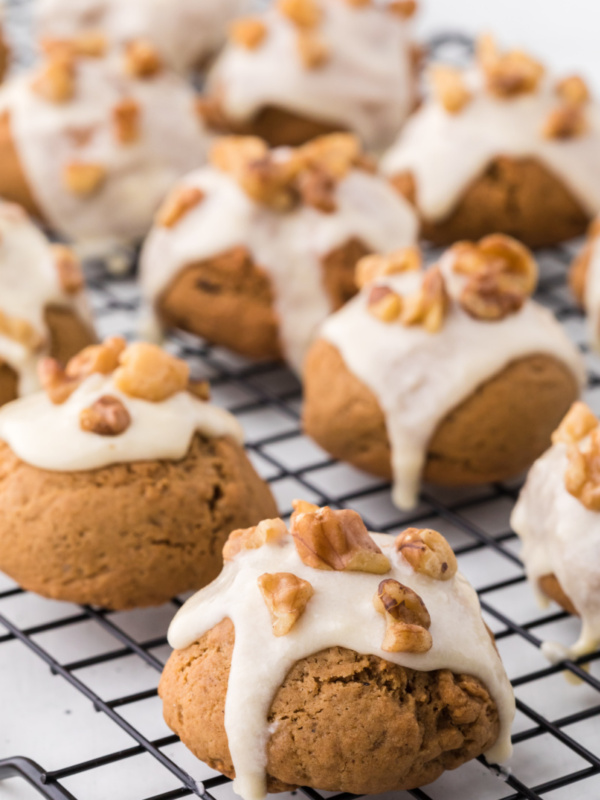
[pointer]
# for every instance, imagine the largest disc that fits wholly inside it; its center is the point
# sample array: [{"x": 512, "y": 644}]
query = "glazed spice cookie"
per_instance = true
[
  {"x": 43, "y": 310},
  {"x": 501, "y": 147},
  {"x": 255, "y": 250},
  {"x": 558, "y": 520},
  {"x": 329, "y": 634},
  {"x": 309, "y": 67},
  {"x": 121, "y": 482},
  {"x": 186, "y": 33},
  {"x": 584, "y": 279},
  {"x": 452, "y": 375},
  {"x": 87, "y": 140}
]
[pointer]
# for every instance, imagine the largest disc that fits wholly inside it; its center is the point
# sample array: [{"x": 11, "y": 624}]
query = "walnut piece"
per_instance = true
[
  {"x": 404, "y": 8},
  {"x": 142, "y": 59},
  {"x": 369, "y": 268},
  {"x": 568, "y": 121},
  {"x": 126, "y": 121},
  {"x": 106, "y": 417},
  {"x": 83, "y": 178},
  {"x": 181, "y": 200},
  {"x": 449, "y": 87},
  {"x": 88, "y": 44},
  {"x": 286, "y": 597},
  {"x": 248, "y": 32},
  {"x": 68, "y": 267},
  {"x": 582, "y": 476},
  {"x": 579, "y": 421},
  {"x": 150, "y": 373},
  {"x": 573, "y": 90},
  {"x": 303, "y": 507},
  {"x": 384, "y": 303},
  {"x": 507, "y": 74},
  {"x": 428, "y": 307},
  {"x": 428, "y": 553},
  {"x": 20, "y": 330},
  {"x": 358, "y": 3},
  {"x": 335, "y": 153},
  {"x": 56, "y": 80},
  {"x": 200, "y": 389},
  {"x": 314, "y": 53},
  {"x": 407, "y": 618},
  {"x": 269, "y": 531},
  {"x": 336, "y": 540},
  {"x": 303, "y": 13},
  {"x": 317, "y": 189}
]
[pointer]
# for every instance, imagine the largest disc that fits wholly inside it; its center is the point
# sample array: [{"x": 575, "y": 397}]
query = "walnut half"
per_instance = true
[
  {"x": 268, "y": 531},
  {"x": 407, "y": 618},
  {"x": 286, "y": 597},
  {"x": 579, "y": 421},
  {"x": 582, "y": 476},
  {"x": 428, "y": 553},
  {"x": 106, "y": 417}
]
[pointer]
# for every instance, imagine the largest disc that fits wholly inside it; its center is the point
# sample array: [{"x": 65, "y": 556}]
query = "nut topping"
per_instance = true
[
  {"x": 286, "y": 597},
  {"x": 20, "y": 330},
  {"x": 428, "y": 553},
  {"x": 404, "y": 8},
  {"x": 68, "y": 267},
  {"x": 248, "y": 32},
  {"x": 565, "y": 122},
  {"x": 336, "y": 153},
  {"x": 149, "y": 373},
  {"x": 269, "y": 531},
  {"x": 181, "y": 200},
  {"x": 317, "y": 189},
  {"x": 336, "y": 540},
  {"x": 407, "y": 618},
  {"x": 83, "y": 178},
  {"x": 582, "y": 476},
  {"x": 89, "y": 44},
  {"x": 371, "y": 267},
  {"x": 56, "y": 80},
  {"x": 428, "y": 306},
  {"x": 303, "y": 13},
  {"x": 577, "y": 424},
  {"x": 106, "y": 417},
  {"x": 573, "y": 90},
  {"x": 384, "y": 303},
  {"x": 142, "y": 60},
  {"x": 449, "y": 87},
  {"x": 200, "y": 389},
  {"x": 507, "y": 74},
  {"x": 126, "y": 120},
  {"x": 314, "y": 53}
]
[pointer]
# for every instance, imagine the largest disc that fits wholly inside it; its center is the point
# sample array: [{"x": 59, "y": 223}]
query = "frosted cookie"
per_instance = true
[
  {"x": 121, "y": 482},
  {"x": 88, "y": 143},
  {"x": 502, "y": 146},
  {"x": 186, "y": 33},
  {"x": 327, "y": 634},
  {"x": 584, "y": 279},
  {"x": 309, "y": 67},
  {"x": 43, "y": 309},
  {"x": 255, "y": 250},
  {"x": 452, "y": 375},
  {"x": 4, "y": 51},
  {"x": 557, "y": 518}
]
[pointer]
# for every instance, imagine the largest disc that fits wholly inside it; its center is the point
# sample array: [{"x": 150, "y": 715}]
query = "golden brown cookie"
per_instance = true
[{"x": 400, "y": 728}]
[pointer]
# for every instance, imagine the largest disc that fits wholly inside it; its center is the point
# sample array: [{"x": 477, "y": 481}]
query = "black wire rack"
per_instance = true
[{"x": 101, "y": 655}]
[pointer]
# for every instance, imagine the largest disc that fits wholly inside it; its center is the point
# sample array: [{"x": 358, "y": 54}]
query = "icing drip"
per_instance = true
[
  {"x": 562, "y": 537},
  {"x": 591, "y": 298},
  {"x": 366, "y": 86},
  {"x": 446, "y": 152},
  {"x": 340, "y": 613},
  {"x": 419, "y": 377},
  {"x": 50, "y": 136},
  {"x": 289, "y": 246},
  {"x": 49, "y": 436}
]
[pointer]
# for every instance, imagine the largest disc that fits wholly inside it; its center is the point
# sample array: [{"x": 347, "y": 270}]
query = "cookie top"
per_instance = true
[
  {"x": 558, "y": 519},
  {"x": 505, "y": 105},
  {"x": 289, "y": 208},
  {"x": 184, "y": 32},
  {"x": 34, "y": 275},
  {"x": 113, "y": 403},
  {"x": 342, "y": 62},
  {"x": 93, "y": 131},
  {"x": 423, "y": 341},
  {"x": 329, "y": 582}
]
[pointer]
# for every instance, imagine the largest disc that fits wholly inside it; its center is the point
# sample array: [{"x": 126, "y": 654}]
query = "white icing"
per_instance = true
[
  {"x": 185, "y": 32},
  {"x": 366, "y": 86},
  {"x": 419, "y": 377},
  {"x": 29, "y": 284},
  {"x": 447, "y": 152},
  {"x": 561, "y": 537},
  {"x": 138, "y": 174},
  {"x": 340, "y": 613},
  {"x": 591, "y": 299},
  {"x": 289, "y": 246},
  {"x": 49, "y": 436}
]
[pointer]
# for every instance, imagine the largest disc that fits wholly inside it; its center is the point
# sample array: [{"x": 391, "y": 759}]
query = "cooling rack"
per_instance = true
[{"x": 79, "y": 714}]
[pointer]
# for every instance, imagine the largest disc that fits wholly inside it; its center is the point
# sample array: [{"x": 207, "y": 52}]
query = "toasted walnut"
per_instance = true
[
  {"x": 336, "y": 153},
  {"x": 248, "y": 32},
  {"x": 126, "y": 121},
  {"x": 428, "y": 553},
  {"x": 337, "y": 540},
  {"x": 573, "y": 90},
  {"x": 491, "y": 298},
  {"x": 303, "y": 13},
  {"x": 231, "y": 153},
  {"x": 582, "y": 476},
  {"x": 56, "y": 80},
  {"x": 150, "y": 373},
  {"x": 181, "y": 200},
  {"x": 369, "y": 268},
  {"x": 106, "y": 417},
  {"x": 269, "y": 531},
  {"x": 55, "y": 382},
  {"x": 508, "y": 74},
  {"x": 303, "y": 507},
  {"x": 384, "y": 303},
  {"x": 142, "y": 59},
  {"x": 449, "y": 87},
  {"x": 68, "y": 267},
  {"x": 200, "y": 389},
  {"x": 404, "y": 8},
  {"x": 286, "y": 597},
  {"x": 89, "y": 44},
  {"x": 317, "y": 189},
  {"x": 428, "y": 306},
  {"x": 565, "y": 122},
  {"x": 579, "y": 421},
  {"x": 83, "y": 178},
  {"x": 358, "y": 3},
  {"x": 60, "y": 383},
  {"x": 314, "y": 53},
  {"x": 20, "y": 330},
  {"x": 407, "y": 618}
]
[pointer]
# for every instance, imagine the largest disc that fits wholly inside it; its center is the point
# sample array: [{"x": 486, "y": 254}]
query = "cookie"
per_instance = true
[
  {"x": 584, "y": 280},
  {"x": 255, "y": 250},
  {"x": 500, "y": 147},
  {"x": 4, "y": 55},
  {"x": 119, "y": 485},
  {"x": 354, "y": 634},
  {"x": 451, "y": 375}
]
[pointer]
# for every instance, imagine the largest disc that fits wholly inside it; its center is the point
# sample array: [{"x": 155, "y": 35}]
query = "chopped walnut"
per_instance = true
[
  {"x": 565, "y": 122},
  {"x": 303, "y": 13},
  {"x": 428, "y": 553},
  {"x": 428, "y": 307},
  {"x": 20, "y": 330},
  {"x": 230, "y": 153},
  {"x": 269, "y": 531},
  {"x": 56, "y": 80},
  {"x": 89, "y": 44},
  {"x": 106, "y": 417},
  {"x": 407, "y": 618},
  {"x": 150, "y": 373},
  {"x": 126, "y": 121},
  {"x": 142, "y": 60},
  {"x": 404, "y": 8},
  {"x": 358, "y": 3},
  {"x": 336, "y": 540},
  {"x": 384, "y": 303},
  {"x": 286, "y": 597},
  {"x": 181, "y": 200},
  {"x": 449, "y": 87},
  {"x": 303, "y": 507},
  {"x": 199, "y": 389},
  {"x": 314, "y": 53},
  {"x": 579, "y": 421},
  {"x": 317, "y": 189},
  {"x": 249, "y": 32},
  {"x": 336, "y": 153},
  {"x": 369, "y": 268},
  {"x": 582, "y": 476},
  {"x": 83, "y": 178},
  {"x": 68, "y": 267},
  {"x": 508, "y": 74},
  {"x": 573, "y": 90}
]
